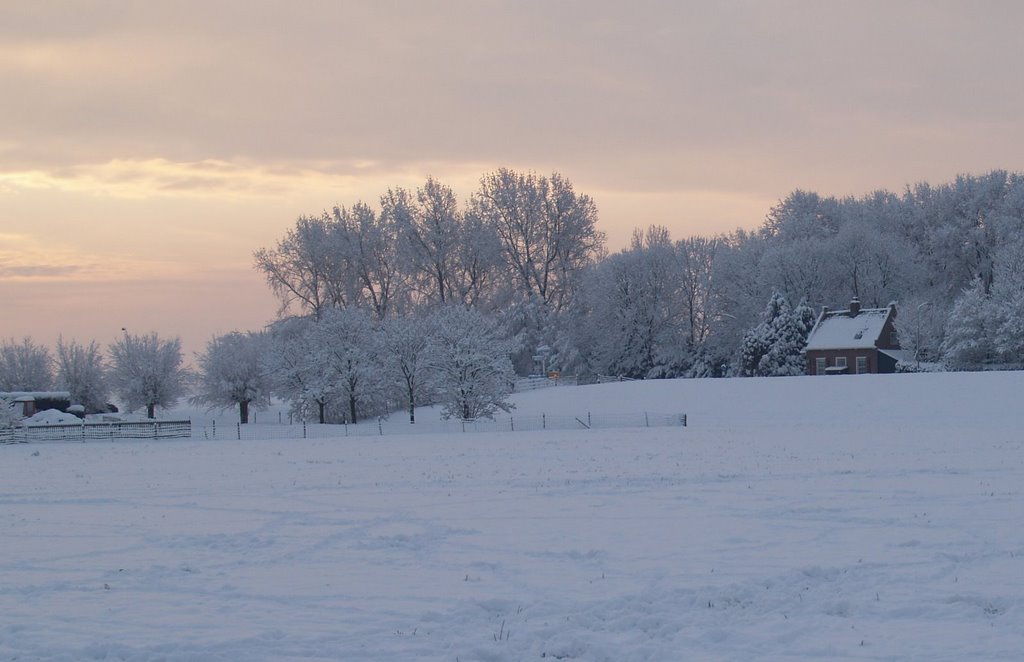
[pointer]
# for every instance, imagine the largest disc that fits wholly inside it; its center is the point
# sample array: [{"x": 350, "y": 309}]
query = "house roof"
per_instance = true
[
  {"x": 839, "y": 330},
  {"x": 899, "y": 355}
]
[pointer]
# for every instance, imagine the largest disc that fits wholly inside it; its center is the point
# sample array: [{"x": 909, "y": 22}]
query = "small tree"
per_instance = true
[
  {"x": 232, "y": 371},
  {"x": 406, "y": 344},
  {"x": 470, "y": 366},
  {"x": 346, "y": 343},
  {"x": 298, "y": 370},
  {"x": 147, "y": 372},
  {"x": 81, "y": 371},
  {"x": 25, "y": 366}
]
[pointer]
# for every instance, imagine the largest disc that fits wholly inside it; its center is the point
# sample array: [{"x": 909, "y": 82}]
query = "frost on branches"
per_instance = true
[
  {"x": 232, "y": 373},
  {"x": 470, "y": 367},
  {"x": 25, "y": 366},
  {"x": 774, "y": 348},
  {"x": 82, "y": 372},
  {"x": 297, "y": 369},
  {"x": 347, "y": 344},
  {"x": 405, "y": 343},
  {"x": 146, "y": 371}
]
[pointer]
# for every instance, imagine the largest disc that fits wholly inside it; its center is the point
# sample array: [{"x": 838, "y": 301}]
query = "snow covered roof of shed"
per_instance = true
[
  {"x": 837, "y": 329},
  {"x": 35, "y": 395}
]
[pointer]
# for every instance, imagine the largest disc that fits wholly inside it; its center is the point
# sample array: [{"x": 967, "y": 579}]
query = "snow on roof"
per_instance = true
[
  {"x": 901, "y": 355},
  {"x": 837, "y": 330},
  {"x": 36, "y": 395}
]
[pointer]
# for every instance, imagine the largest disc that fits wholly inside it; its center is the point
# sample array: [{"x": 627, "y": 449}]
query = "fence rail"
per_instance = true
[
  {"x": 94, "y": 431},
  {"x": 533, "y": 383},
  {"x": 379, "y": 427}
]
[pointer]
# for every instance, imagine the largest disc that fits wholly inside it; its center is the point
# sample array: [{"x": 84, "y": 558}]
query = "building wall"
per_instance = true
[{"x": 830, "y": 356}]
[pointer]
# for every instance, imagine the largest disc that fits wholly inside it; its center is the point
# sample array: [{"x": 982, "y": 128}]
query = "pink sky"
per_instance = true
[{"x": 146, "y": 149}]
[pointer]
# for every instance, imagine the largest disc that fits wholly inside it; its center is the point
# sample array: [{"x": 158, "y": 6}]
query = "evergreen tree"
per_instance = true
[{"x": 774, "y": 348}]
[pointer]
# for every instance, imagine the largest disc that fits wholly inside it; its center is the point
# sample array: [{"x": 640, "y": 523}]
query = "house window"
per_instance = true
[
  {"x": 862, "y": 365},
  {"x": 894, "y": 339},
  {"x": 819, "y": 366},
  {"x": 841, "y": 362}
]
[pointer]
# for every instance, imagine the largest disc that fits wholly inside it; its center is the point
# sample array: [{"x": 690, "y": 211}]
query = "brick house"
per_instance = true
[{"x": 854, "y": 341}]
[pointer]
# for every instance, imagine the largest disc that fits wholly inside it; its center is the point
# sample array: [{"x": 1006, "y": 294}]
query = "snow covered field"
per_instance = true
[{"x": 870, "y": 517}]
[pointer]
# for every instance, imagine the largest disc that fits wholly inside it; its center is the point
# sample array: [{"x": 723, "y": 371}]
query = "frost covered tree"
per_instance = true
[
  {"x": 775, "y": 347},
  {"x": 25, "y": 366},
  {"x": 368, "y": 246},
  {"x": 451, "y": 257},
  {"x": 147, "y": 371},
  {"x": 469, "y": 363},
  {"x": 233, "y": 372},
  {"x": 547, "y": 232},
  {"x": 346, "y": 342},
  {"x": 82, "y": 371},
  {"x": 303, "y": 269},
  {"x": 968, "y": 340},
  {"x": 636, "y": 308},
  {"x": 297, "y": 367},
  {"x": 405, "y": 343}
]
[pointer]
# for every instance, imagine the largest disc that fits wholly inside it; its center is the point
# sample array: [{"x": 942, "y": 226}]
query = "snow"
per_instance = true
[
  {"x": 52, "y": 417},
  {"x": 840, "y": 331},
  {"x": 35, "y": 395},
  {"x": 860, "y": 517}
]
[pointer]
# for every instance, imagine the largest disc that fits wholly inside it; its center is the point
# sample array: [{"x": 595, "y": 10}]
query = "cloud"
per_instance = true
[
  {"x": 567, "y": 86},
  {"x": 26, "y": 258}
]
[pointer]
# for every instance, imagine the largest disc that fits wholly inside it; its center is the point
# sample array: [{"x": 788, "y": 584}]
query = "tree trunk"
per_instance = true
[
  {"x": 352, "y": 408},
  {"x": 151, "y": 410},
  {"x": 320, "y": 406},
  {"x": 412, "y": 406},
  {"x": 243, "y": 411}
]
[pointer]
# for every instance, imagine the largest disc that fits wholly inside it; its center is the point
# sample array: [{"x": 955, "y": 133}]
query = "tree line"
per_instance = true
[
  {"x": 524, "y": 257},
  {"x": 525, "y": 251}
]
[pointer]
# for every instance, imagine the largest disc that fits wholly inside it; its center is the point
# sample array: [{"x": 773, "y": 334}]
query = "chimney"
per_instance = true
[{"x": 854, "y": 307}]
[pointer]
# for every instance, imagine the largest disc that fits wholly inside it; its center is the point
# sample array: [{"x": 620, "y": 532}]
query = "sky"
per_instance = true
[{"x": 148, "y": 148}]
